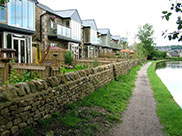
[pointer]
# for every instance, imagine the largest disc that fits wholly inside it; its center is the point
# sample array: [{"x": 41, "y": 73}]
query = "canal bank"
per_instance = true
[{"x": 168, "y": 111}]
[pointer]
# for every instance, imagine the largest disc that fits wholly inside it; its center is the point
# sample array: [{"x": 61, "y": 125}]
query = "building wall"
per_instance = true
[{"x": 24, "y": 104}]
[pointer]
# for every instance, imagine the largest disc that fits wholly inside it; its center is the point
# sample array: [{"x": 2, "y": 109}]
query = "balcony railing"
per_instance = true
[{"x": 57, "y": 29}]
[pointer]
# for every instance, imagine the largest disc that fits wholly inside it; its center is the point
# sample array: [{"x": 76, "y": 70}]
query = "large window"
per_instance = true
[
  {"x": 21, "y": 13},
  {"x": 76, "y": 30},
  {"x": 2, "y": 14},
  {"x": 94, "y": 36}
]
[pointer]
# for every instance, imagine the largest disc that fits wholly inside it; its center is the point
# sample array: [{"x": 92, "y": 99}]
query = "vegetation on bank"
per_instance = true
[
  {"x": 169, "y": 112},
  {"x": 94, "y": 114}
]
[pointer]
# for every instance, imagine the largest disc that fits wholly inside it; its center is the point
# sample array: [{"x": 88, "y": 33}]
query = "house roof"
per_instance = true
[
  {"x": 116, "y": 37},
  {"x": 45, "y": 8},
  {"x": 104, "y": 31},
  {"x": 70, "y": 13},
  {"x": 89, "y": 23}
]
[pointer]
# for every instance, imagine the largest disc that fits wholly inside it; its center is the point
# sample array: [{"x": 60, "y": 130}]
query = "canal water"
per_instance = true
[{"x": 171, "y": 75}]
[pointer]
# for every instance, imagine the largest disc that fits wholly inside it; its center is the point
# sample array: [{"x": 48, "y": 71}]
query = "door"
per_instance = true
[{"x": 20, "y": 47}]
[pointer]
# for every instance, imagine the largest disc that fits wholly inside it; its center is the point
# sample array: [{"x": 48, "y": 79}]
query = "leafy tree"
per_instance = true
[
  {"x": 3, "y": 1},
  {"x": 176, "y": 8},
  {"x": 145, "y": 35}
]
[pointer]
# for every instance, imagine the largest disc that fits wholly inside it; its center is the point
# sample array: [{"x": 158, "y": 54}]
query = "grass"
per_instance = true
[
  {"x": 94, "y": 114},
  {"x": 169, "y": 112}
]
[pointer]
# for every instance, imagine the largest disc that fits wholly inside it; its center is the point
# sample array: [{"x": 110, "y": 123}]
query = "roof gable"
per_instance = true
[
  {"x": 89, "y": 23},
  {"x": 104, "y": 31},
  {"x": 71, "y": 13}
]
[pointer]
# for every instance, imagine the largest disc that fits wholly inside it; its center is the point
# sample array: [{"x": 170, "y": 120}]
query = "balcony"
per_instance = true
[{"x": 57, "y": 29}]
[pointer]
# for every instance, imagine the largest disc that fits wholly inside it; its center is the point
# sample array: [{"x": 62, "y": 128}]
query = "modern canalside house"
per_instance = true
[
  {"x": 17, "y": 24},
  {"x": 58, "y": 28},
  {"x": 91, "y": 41},
  {"x": 106, "y": 40}
]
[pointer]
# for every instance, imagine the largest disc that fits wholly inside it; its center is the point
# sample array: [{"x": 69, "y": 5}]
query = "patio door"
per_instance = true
[{"x": 19, "y": 45}]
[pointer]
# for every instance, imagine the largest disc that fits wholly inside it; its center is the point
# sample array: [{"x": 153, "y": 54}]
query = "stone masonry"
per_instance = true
[{"x": 24, "y": 104}]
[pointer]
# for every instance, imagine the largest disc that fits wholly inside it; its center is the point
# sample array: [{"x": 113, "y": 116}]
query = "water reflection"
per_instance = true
[{"x": 171, "y": 74}]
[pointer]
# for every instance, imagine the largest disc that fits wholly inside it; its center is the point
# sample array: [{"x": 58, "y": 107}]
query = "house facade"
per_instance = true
[
  {"x": 109, "y": 43},
  {"x": 17, "y": 24},
  {"x": 58, "y": 28},
  {"x": 91, "y": 41}
]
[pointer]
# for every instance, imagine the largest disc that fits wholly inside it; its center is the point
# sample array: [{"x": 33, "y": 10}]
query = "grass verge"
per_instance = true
[
  {"x": 93, "y": 115},
  {"x": 169, "y": 112}
]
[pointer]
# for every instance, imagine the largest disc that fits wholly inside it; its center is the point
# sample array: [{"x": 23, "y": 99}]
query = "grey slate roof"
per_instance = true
[
  {"x": 89, "y": 23},
  {"x": 104, "y": 31},
  {"x": 70, "y": 13},
  {"x": 116, "y": 37},
  {"x": 45, "y": 8}
]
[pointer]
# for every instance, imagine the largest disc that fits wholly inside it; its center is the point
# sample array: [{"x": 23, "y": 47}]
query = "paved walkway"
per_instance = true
[{"x": 140, "y": 119}]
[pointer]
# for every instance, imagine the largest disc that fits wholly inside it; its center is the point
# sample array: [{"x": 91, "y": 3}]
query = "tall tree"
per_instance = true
[
  {"x": 176, "y": 8},
  {"x": 145, "y": 35}
]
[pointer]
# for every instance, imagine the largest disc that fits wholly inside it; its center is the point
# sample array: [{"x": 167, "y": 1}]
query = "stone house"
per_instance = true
[
  {"x": 58, "y": 28},
  {"x": 17, "y": 24}
]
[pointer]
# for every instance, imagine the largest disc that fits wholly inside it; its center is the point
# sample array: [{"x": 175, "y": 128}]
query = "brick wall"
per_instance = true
[{"x": 24, "y": 104}]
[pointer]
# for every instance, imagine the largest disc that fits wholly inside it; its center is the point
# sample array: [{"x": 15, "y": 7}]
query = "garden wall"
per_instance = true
[{"x": 24, "y": 104}]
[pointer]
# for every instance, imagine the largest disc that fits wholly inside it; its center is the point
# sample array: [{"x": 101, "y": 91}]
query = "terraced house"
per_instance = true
[
  {"x": 58, "y": 28},
  {"x": 17, "y": 24},
  {"x": 109, "y": 43},
  {"x": 90, "y": 39}
]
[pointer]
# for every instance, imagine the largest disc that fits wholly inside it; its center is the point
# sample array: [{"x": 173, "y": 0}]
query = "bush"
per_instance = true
[
  {"x": 68, "y": 58},
  {"x": 95, "y": 63}
]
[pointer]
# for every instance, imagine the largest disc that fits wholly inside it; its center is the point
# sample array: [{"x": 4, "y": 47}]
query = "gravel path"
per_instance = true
[{"x": 140, "y": 119}]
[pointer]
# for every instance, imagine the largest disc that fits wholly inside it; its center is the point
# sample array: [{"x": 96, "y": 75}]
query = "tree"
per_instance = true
[
  {"x": 176, "y": 8},
  {"x": 3, "y": 1},
  {"x": 145, "y": 35}
]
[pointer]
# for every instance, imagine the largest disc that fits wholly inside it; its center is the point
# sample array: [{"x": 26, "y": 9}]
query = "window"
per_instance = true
[
  {"x": 18, "y": 13},
  {"x": 76, "y": 30},
  {"x": 21, "y": 13},
  {"x": 25, "y": 13},
  {"x": 31, "y": 13},
  {"x": 2, "y": 14},
  {"x": 11, "y": 12}
]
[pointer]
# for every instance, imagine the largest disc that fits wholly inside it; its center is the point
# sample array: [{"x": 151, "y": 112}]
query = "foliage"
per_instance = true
[
  {"x": 15, "y": 77},
  {"x": 159, "y": 55},
  {"x": 3, "y": 1},
  {"x": 95, "y": 63},
  {"x": 169, "y": 112},
  {"x": 98, "y": 111},
  {"x": 66, "y": 69},
  {"x": 141, "y": 52},
  {"x": 68, "y": 58},
  {"x": 145, "y": 35},
  {"x": 176, "y": 7}
]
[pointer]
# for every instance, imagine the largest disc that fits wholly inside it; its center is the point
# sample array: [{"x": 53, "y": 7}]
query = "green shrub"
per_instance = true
[
  {"x": 27, "y": 75},
  {"x": 95, "y": 63},
  {"x": 68, "y": 58}
]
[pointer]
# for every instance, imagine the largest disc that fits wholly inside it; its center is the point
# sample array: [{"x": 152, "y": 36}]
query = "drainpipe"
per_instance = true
[{"x": 41, "y": 25}]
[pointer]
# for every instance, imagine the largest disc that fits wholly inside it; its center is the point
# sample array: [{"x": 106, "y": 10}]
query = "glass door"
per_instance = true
[{"x": 20, "y": 47}]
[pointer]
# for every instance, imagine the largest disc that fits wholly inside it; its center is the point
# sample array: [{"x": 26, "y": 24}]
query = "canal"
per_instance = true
[{"x": 171, "y": 75}]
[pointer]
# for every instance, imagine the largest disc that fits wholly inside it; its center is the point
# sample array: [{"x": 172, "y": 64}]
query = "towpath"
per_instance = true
[{"x": 140, "y": 119}]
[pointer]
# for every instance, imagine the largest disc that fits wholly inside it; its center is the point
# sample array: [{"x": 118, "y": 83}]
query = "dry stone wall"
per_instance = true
[{"x": 24, "y": 104}]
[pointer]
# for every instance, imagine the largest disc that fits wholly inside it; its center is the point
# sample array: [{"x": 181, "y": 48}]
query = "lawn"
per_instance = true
[
  {"x": 169, "y": 112},
  {"x": 93, "y": 115}
]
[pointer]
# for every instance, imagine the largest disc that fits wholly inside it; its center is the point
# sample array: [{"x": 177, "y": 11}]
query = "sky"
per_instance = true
[{"x": 122, "y": 17}]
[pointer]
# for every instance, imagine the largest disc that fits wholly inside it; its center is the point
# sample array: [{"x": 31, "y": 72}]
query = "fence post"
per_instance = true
[
  {"x": 48, "y": 70},
  {"x": 7, "y": 71}
]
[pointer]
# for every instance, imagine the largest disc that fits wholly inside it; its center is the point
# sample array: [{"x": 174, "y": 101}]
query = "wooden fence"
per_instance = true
[{"x": 42, "y": 70}]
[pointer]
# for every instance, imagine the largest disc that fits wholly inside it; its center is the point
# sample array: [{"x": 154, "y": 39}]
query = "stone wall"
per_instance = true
[{"x": 24, "y": 104}]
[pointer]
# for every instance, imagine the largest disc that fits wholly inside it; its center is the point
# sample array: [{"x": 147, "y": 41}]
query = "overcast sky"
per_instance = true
[{"x": 123, "y": 17}]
